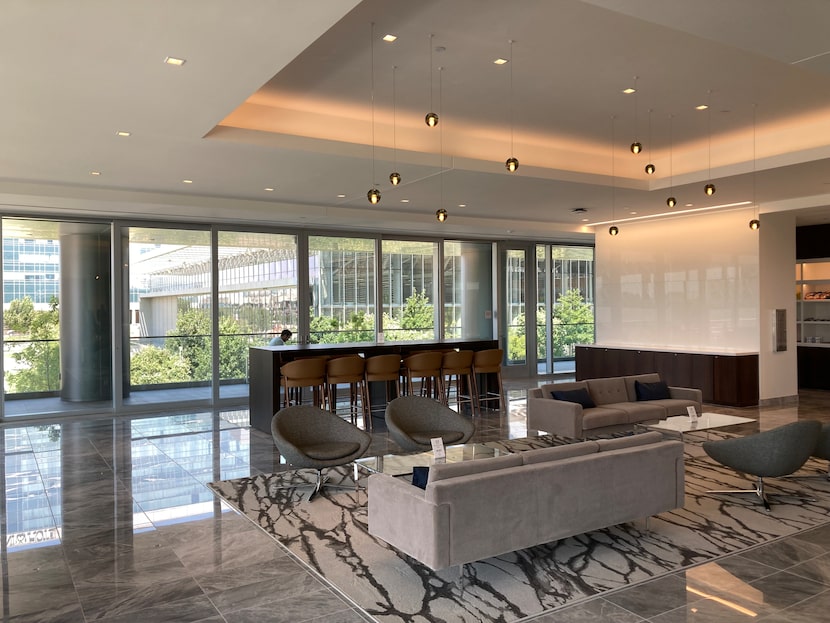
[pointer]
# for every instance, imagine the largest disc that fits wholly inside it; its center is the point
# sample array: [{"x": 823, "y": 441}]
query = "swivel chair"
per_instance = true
[
  {"x": 413, "y": 421},
  {"x": 774, "y": 453},
  {"x": 310, "y": 437}
]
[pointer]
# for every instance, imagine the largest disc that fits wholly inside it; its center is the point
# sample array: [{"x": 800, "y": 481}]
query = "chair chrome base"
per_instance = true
[
  {"x": 321, "y": 481},
  {"x": 761, "y": 493}
]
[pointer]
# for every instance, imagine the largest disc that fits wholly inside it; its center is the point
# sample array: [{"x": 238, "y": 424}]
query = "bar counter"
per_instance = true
[{"x": 264, "y": 364}]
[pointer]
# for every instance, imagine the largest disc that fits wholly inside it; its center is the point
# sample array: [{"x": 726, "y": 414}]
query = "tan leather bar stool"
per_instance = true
[
  {"x": 384, "y": 369},
  {"x": 426, "y": 367},
  {"x": 306, "y": 372},
  {"x": 348, "y": 370},
  {"x": 486, "y": 368},
  {"x": 458, "y": 365}
]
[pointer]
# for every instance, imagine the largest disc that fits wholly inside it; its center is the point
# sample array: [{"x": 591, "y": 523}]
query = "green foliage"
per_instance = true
[
  {"x": 233, "y": 350},
  {"x": 20, "y": 315},
  {"x": 152, "y": 365},
  {"x": 40, "y": 359},
  {"x": 416, "y": 322},
  {"x": 573, "y": 323},
  {"x": 327, "y": 330}
]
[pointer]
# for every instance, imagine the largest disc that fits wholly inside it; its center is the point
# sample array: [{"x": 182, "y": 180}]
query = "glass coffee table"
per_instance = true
[
  {"x": 681, "y": 424},
  {"x": 402, "y": 464}
]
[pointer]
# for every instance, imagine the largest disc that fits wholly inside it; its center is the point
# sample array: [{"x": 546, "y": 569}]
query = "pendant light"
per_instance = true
[
  {"x": 709, "y": 189},
  {"x": 374, "y": 194},
  {"x": 636, "y": 146},
  {"x": 511, "y": 164},
  {"x": 613, "y": 230},
  {"x": 755, "y": 223},
  {"x": 394, "y": 177},
  {"x": 671, "y": 201},
  {"x": 431, "y": 118},
  {"x": 649, "y": 168},
  {"x": 441, "y": 214}
]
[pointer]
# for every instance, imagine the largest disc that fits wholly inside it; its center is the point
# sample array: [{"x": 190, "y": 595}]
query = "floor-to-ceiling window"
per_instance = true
[
  {"x": 409, "y": 290},
  {"x": 341, "y": 274},
  {"x": 167, "y": 329}
]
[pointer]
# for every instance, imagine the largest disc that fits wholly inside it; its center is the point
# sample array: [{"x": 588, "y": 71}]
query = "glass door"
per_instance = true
[{"x": 518, "y": 296}]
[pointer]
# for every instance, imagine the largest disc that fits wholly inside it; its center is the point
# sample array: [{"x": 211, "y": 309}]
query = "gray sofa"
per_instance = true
[
  {"x": 486, "y": 507},
  {"x": 617, "y": 407}
]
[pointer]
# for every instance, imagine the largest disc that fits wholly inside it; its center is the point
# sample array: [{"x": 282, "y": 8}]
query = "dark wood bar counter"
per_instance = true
[{"x": 264, "y": 365}]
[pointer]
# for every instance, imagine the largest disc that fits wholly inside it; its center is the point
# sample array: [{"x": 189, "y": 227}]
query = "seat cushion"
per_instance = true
[
  {"x": 330, "y": 450},
  {"x": 640, "y": 411},
  {"x": 600, "y": 417},
  {"x": 449, "y": 436}
]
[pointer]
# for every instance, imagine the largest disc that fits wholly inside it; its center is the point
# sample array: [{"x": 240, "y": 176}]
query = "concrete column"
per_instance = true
[
  {"x": 476, "y": 291},
  {"x": 85, "y": 313}
]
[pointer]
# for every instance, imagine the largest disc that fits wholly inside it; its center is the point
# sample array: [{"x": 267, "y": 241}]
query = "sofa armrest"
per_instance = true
[
  {"x": 688, "y": 393},
  {"x": 558, "y": 417},
  {"x": 400, "y": 515}
]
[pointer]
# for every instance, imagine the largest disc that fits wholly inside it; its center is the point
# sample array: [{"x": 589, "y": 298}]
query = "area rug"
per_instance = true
[{"x": 330, "y": 535}]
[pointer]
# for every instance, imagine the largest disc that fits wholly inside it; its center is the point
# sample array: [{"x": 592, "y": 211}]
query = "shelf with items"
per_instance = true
[{"x": 812, "y": 280}]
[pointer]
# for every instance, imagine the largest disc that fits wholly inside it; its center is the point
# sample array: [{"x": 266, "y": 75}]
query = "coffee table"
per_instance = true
[
  {"x": 402, "y": 464},
  {"x": 681, "y": 424}
]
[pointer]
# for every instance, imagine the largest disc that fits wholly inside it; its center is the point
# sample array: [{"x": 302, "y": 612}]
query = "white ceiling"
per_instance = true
[{"x": 278, "y": 94}]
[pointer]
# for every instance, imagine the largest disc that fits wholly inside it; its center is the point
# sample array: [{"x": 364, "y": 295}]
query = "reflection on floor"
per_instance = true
[{"x": 110, "y": 520}]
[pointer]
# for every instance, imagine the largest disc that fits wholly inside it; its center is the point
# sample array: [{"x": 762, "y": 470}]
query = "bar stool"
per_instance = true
[
  {"x": 306, "y": 372},
  {"x": 458, "y": 365},
  {"x": 425, "y": 366},
  {"x": 348, "y": 370},
  {"x": 488, "y": 362},
  {"x": 384, "y": 369}
]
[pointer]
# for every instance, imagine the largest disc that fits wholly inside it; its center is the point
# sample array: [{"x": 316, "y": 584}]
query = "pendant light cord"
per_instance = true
[
  {"x": 372, "y": 66},
  {"x": 613, "y": 172},
  {"x": 671, "y": 155},
  {"x": 441, "y": 137},
  {"x": 394, "y": 123},
  {"x": 511, "y": 98},
  {"x": 430, "y": 71}
]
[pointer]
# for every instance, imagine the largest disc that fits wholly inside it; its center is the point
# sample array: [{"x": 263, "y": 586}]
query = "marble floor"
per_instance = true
[{"x": 111, "y": 520}]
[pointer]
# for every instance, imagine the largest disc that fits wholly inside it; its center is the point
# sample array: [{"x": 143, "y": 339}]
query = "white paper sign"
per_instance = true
[
  {"x": 438, "y": 448},
  {"x": 692, "y": 413}
]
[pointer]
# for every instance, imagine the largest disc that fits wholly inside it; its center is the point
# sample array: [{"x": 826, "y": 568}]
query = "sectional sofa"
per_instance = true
[
  {"x": 595, "y": 406},
  {"x": 486, "y": 507}
]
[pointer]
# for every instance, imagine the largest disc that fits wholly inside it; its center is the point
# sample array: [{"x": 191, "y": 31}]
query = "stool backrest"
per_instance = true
[
  {"x": 383, "y": 367},
  {"x": 304, "y": 372},
  {"x": 458, "y": 360},
  {"x": 488, "y": 360}
]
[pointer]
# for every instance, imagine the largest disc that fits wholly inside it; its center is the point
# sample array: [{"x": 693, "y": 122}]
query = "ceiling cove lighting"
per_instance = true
[
  {"x": 649, "y": 168},
  {"x": 709, "y": 189},
  {"x": 511, "y": 164},
  {"x": 636, "y": 147},
  {"x": 431, "y": 118},
  {"x": 722, "y": 206},
  {"x": 394, "y": 176},
  {"x": 374, "y": 194}
]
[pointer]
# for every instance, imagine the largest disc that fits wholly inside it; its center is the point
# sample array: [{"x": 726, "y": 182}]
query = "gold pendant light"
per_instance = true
[
  {"x": 431, "y": 118},
  {"x": 649, "y": 168},
  {"x": 636, "y": 146},
  {"x": 671, "y": 201},
  {"x": 709, "y": 189},
  {"x": 394, "y": 177},
  {"x": 374, "y": 194},
  {"x": 512, "y": 163}
]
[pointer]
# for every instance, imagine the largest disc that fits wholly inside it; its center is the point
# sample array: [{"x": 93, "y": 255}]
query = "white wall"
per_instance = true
[
  {"x": 778, "y": 370},
  {"x": 688, "y": 283}
]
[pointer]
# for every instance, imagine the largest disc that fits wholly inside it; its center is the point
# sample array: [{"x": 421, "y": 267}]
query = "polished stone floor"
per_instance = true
[{"x": 111, "y": 520}]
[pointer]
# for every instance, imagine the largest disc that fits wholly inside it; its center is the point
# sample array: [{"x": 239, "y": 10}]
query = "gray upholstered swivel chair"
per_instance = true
[
  {"x": 822, "y": 450},
  {"x": 413, "y": 421},
  {"x": 310, "y": 437},
  {"x": 773, "y": 453}
]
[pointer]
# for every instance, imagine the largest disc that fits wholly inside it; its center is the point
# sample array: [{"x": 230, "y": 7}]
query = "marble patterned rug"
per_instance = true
[{"x": 330, "y": 535}]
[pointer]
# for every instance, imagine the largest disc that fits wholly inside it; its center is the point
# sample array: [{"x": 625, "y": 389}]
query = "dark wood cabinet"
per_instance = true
[{"x": 723, "y": 379}]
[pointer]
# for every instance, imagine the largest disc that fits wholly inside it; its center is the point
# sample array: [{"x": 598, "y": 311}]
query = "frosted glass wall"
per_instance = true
[{"x": 690, "y": 283}]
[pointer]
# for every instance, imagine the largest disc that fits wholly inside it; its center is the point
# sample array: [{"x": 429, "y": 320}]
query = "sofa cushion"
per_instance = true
[
  {"x": 674, "y": 406},
  {"x": 543, "y": 455},
  {"x": 580, "y": 396},
  {"x": 607, "y": 391},
  {"x": 601, "y": 417},
  {"x": 442, "y": 471},
  {"x": 657, "y": 390},
  {"x": 651, "y": 377},
  {"x": 645, "y": 411},
  {"x": 629, "y": 441}
]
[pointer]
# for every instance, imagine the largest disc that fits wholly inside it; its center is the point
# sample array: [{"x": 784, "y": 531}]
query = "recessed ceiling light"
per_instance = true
[
  {"x": 95, "y": 173},
  {"x": 701, "y": 107},
  {"x": 462, "y": 205},
  {"x": 187, "y": 181},
  {"x": 689, "y": 205},
  {"x": 341, "y": 196},
  {"x": 269, "y": 189},
  {"x": 389, "y": 38},
  {"x": 629, "y": 91},
  {"x": 404, "y": 200},
  {"x": 585, "y": 220},
  {"x": 501, "y": 61},
  {"x": 633, "y": 212},
  {"x": 122, "y": 133},
  {"x": 172, "y": 60}
]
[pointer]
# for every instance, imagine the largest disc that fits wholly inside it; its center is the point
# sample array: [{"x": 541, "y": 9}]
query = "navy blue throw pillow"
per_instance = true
[
  {"x": 651, "y": 391},
  {"x": 420, "y": 475},
  {"x": 580, "y": 396}
]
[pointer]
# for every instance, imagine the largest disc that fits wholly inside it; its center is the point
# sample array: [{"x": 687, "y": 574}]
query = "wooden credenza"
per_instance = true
[
  {"x": 723, "y": 378},
  {"x": 264, "y": 364}
]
